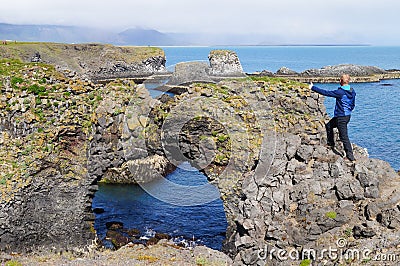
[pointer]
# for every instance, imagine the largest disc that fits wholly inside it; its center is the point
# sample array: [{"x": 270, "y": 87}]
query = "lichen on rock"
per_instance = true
[
  {"x": 225, "y": 63},
  {"x": 54, "y": 132},
  {"x": 282, "y": 188}
]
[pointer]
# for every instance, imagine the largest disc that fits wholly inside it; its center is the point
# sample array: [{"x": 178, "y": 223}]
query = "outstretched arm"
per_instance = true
[{"x": 335, "y": 93}]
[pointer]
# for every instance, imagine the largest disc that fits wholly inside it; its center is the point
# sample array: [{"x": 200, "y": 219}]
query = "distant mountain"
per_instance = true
[
  {"x": 71, "y": 34},
  {"x": 54, "y": 33},
  {"x": 132, "y": 36},
  {"x": 139, "y": 36},
  {"x": 143, "y": 36}
]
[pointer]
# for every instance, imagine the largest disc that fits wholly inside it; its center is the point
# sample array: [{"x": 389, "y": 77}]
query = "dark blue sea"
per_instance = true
[
  {"x": 203, "y": 224},
  {"x": 374, "y": 125}
]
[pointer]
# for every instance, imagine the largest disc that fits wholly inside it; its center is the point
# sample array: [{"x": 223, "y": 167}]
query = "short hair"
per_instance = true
[{"x": 345, "y": 78}]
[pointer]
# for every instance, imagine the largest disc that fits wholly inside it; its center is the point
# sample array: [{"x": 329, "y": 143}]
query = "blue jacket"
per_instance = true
[{"x": 345, "y": 100}]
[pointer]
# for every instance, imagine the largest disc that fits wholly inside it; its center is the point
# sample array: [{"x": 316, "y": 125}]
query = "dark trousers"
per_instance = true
[{"x": 341, "y": 124}]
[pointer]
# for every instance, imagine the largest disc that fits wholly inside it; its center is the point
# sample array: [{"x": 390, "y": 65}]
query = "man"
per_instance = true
[{"x": 345, "y": 103}]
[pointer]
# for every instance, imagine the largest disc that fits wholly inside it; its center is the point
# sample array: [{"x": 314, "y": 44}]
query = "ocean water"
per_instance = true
[
  {"x": 130, "y": 204},
  {"x": 298, "y": 58},
  {"x": 374, "y": 125}
]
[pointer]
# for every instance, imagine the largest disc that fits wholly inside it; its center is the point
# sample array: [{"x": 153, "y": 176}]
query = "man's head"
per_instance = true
[{"x": 344, "y": 79}]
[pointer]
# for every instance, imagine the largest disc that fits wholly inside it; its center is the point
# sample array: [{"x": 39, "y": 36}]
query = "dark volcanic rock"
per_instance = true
[
  {"x": 189, "y": 72},
  {"x": 162, "y": 236},
  {"x": 133, "y": 232},
  {"x": 338, "y": 70},
  {"x": 119, "y": 152},
  {"x": 140, "y": 171},
  {"x": 152, "y": 241},
  {"x": 364, "y": 232},
  {"x": 266, "y": 73},
  {"x": 47, "y": 203},
  {"x": 121, "y": 69},
  {"x": 117, "y": 238},
  {"x": 291, "y": 191},
  {"x": 114, "y": 225},
  {"x": 55, "y": 207},
  {"x": 286, "y": 71},
  {"x": 225, "y": 63},
  {"x": 36, "y": 58}
]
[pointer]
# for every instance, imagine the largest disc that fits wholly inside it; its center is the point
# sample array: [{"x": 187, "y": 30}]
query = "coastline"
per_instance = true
[
  {"x": 298, "y": 58},
  {"x": 63, "y": 132},
  {"x": 333, "y": 79}
]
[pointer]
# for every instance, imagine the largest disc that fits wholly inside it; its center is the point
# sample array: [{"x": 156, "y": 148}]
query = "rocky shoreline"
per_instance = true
[
  {"x": 330, "y": 74},
  {"x": 259, "y": 140},
  {"x": 104, "y": 63}
]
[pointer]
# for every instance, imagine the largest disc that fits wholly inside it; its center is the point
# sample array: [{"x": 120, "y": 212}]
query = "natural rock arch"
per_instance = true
[{"x": 303, "y": 197}]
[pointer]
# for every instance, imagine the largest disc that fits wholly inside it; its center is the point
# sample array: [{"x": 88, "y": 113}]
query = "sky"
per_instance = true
[{"x": 291, "y": 21}]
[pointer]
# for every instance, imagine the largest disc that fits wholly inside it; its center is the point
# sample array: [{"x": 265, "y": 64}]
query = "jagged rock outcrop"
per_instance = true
[
  {"x": 286, "y": 71},
  {"x": 186, "y": 73},
  {"x": 225, "y": 63},
  {"x": 45, "y": 188},
  {"x": 118, "y": 152},
  {"x": 92, "y": 61},
  {"x": 222, "y": 64},
  {"x": 312, "y": 201},
  {"x": 30, "y": 216},
  {"x": 58, "y": 138},
  {"x": 337, "y": 70},
  {"x": 265, "y": 73},
  {"x": 36, "y": 58},
  {"x": 139, "y": 171}
]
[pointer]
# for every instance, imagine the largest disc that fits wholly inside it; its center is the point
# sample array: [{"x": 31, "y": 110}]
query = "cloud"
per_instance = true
[{"x": 375, "y": 21}]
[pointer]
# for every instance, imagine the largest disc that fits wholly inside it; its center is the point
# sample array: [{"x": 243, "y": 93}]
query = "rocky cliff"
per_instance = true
[
  {"x": 45, "y": 123},
  {"x": 259, "y": 140},
  {"x": 59, "y": 137},
  {"x": 92, "y": 61}
]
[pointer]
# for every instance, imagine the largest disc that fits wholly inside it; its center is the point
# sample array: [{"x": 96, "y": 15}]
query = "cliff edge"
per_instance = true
[
  {"x": 261, "y": 142},
  {"x": 95, "y": 62}
]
